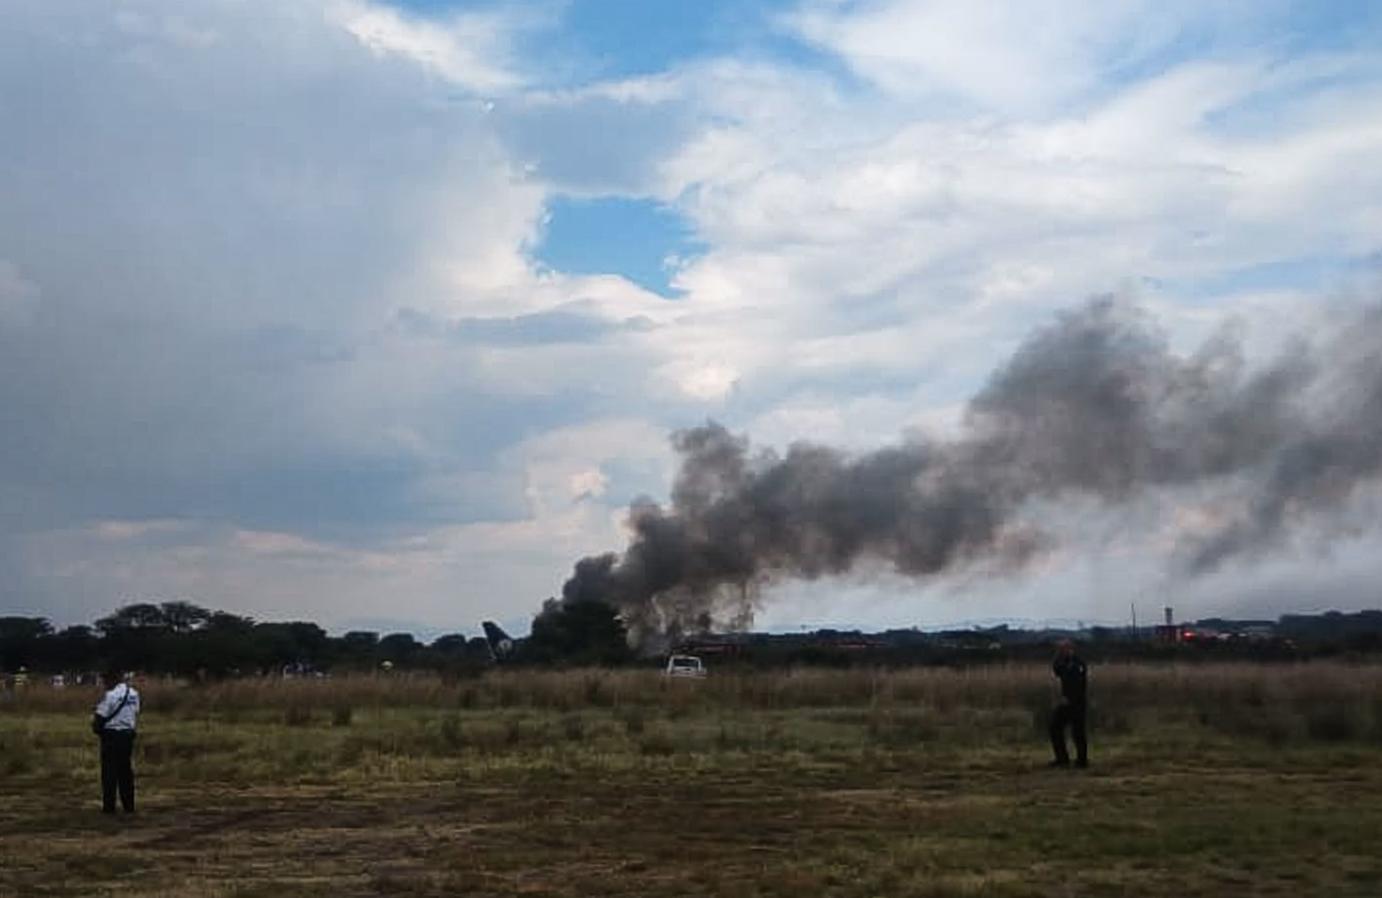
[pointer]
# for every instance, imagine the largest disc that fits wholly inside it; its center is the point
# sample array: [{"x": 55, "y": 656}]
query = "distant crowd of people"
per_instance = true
[{"x": 21, "y": 679}]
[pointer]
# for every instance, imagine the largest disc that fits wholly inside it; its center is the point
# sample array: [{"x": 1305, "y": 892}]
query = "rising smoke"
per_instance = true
[{"x": 1095, "y": 405}]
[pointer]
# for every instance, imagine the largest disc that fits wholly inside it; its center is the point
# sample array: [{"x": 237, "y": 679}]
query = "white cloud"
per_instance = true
[
  {"x": 472, "y": 50},
  {"x": 129, "y": 530},
  {"x": 268, "y": 542},
  {"x": 450, "y": 577},
  {"x": 588, "y": 484},
  {"x": 225, "y": 231},
  {"x": 569, "y": 465},
  {"x": 1009, "y": 56},
  {"x": 282, "y": 344},
  {"x": 703, "y": 379},
  {"x": 947, "y": 230},
  {"x": 878, "y": 252}
]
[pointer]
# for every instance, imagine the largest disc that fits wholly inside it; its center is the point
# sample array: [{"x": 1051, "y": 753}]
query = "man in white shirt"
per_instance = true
[{"x": 114, "y": 721}]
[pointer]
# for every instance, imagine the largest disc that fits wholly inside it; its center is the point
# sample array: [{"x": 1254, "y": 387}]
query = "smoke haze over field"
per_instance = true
[{"x": 1093, "y": 405}]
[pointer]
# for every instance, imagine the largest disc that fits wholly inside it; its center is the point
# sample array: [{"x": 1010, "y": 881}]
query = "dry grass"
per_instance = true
[
  {"x": 1330, "y": 701},
  {"x": 802, "y": 687},
  {"x": 1207, "y": 781}
]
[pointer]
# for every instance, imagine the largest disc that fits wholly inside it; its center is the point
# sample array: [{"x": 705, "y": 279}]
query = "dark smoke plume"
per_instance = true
[{"x": 1093, "y": 405}]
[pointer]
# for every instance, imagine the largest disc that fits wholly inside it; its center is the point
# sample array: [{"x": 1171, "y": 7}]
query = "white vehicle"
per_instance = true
[{"x": 684, "y": 666}]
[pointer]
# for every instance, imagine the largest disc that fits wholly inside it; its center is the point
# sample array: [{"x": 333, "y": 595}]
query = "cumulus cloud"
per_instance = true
[
  {"x": 1007, "y": 56},
  {"x": 270, "y": 323},
  {"x": 853, "y": 235},
  {"x": 227, "y": 231},
  {"x": 472, "y": 50}
]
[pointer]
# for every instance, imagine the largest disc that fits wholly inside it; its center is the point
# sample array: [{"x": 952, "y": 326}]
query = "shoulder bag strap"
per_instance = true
[{"x": 107, "y": 718}]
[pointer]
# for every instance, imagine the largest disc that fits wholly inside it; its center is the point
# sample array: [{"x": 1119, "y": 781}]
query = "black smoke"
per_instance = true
[{"x": 1094, "y": 405}]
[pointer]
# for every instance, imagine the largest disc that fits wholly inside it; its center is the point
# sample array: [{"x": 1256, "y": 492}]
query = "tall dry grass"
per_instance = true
[
  {"x": 423, "y": 726},
  {"x": 1123, "y": 686}
]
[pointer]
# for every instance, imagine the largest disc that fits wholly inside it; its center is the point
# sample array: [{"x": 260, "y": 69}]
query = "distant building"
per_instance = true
[{"x": 1168, "y": 632}]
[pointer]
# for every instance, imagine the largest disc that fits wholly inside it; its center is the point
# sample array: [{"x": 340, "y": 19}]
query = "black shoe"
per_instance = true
[
  {"x": 1082, "y": 763},
  {"x": 1059, "y": 762},
  {"x": 108, "y": 810}
]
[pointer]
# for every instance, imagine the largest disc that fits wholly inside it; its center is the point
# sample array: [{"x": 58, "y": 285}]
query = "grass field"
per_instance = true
[{"x": 1227, "y": 780}]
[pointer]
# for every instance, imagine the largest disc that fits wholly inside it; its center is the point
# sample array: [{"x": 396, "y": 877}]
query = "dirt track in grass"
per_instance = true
[{"x": 764, "y": 829}]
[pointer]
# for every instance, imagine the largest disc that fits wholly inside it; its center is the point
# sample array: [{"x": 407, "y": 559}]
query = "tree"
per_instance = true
[
  {"x": 277, "y": 644},
  {"x": 356, "y": 648},
  {"x": 398, "y": 648},
  {"x": 183, "y": 617},
  {"x": 138, "y": 616},
  {"x": 225, "y": 622},
  {"x": 450, "y": 644},
  {"x": 361, "y": 639},
  {"x": 74, "y": 648},
  {"x": 20, "y": 640},
  {"x": 311, "y": 641},
  {"x": 579, "y": 632},
  {"x": 224, "y": 644}
]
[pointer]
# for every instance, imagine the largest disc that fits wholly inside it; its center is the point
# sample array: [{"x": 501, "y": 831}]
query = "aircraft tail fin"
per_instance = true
[{"x": 501, "y": 644}]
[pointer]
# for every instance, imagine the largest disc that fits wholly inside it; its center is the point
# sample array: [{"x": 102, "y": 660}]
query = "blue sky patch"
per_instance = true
[
  {"x": 614, "y": 235},
  {"x": 613, "y": 39},
  {"x": 636, "y": 37},
  {"x": 1315, "y": 272}
]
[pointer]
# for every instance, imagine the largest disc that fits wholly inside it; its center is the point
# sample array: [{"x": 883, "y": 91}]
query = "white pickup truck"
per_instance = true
[{"x": 684, "y": 666}]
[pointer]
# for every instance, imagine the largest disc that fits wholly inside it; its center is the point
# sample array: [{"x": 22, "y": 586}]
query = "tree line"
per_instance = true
[{"x": 183, "y": 638}]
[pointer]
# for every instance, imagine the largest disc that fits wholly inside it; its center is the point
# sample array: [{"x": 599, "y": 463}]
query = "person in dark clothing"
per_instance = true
[
  {"x": 1074, "y": 676},
  {"x": 114, "y": 722}
]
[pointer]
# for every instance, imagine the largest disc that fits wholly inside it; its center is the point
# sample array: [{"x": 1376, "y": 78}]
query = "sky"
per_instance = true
[{"x": 381, "y": 314}]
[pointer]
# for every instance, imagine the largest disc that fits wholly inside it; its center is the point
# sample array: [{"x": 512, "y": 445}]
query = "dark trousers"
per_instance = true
[
  {"x": 1069, "y": 714},
  {"x": 117, "y": 771}
]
